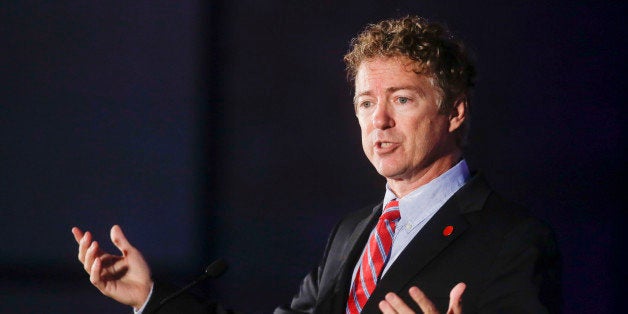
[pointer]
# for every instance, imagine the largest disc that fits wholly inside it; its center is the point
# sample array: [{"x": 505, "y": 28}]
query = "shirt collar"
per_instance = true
[{"x": 428, "y": 198}]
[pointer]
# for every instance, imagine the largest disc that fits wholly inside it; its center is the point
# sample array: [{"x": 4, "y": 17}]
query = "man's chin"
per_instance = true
[{"x": 390, "y": 173}]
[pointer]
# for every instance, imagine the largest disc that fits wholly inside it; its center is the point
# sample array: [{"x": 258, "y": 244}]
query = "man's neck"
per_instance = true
[{"x": 403, "y": 186}]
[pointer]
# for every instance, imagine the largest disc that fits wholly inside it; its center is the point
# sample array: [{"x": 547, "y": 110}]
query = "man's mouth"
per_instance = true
[{"x": 385, "y": 147}]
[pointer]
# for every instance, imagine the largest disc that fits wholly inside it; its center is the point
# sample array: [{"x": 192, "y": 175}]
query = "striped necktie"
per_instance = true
[{"x": 374, "y": 258}]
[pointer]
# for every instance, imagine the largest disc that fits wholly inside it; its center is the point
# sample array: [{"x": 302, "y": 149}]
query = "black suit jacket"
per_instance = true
[{"x": 507, "y": 259}]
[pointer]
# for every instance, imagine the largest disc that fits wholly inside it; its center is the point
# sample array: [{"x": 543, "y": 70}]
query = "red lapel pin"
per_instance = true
[{"x": 448, "y": 231}]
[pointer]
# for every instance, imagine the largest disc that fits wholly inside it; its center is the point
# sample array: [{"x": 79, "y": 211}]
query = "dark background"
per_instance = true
[{"x": 226, "y": 128}]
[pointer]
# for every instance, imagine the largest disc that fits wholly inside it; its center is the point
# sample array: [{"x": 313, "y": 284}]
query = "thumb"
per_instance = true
[
  {"x": 119, "y": 240},
  {"x": 455, "y": 299}
]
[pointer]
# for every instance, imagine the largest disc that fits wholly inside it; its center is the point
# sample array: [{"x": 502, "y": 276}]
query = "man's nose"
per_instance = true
[{"x": 382, "y": 119}]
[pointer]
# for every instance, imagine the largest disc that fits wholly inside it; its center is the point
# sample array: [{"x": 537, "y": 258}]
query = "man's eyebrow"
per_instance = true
[
  {"x": 392, "y": 90},
  {"x": 355, "y": 98},
  {"x": 408, "y": 87}
]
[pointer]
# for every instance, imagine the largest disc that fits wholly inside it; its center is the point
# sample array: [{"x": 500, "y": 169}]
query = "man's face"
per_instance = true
[{"x": 403, "y": 134}]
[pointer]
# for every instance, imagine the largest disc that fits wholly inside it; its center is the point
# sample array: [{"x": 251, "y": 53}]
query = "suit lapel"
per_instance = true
[
  {"x": 356, "y": 242},
  {"x": 335, "y": 299}
]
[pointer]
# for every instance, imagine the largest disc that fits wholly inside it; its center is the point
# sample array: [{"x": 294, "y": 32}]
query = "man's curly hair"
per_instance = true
[{"x": 433, "y": 48}]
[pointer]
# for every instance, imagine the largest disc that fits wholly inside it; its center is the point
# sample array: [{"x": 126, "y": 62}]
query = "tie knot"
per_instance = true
[{"x": 391, "y": 211}]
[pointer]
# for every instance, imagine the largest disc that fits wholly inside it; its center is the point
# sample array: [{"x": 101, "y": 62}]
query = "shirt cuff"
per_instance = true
[{"x": 141, "y": 309}]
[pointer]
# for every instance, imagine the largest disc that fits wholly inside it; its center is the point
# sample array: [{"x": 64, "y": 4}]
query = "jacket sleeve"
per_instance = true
[{"x": 525, "y": 276}]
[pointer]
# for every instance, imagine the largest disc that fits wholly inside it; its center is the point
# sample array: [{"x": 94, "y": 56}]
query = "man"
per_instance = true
[{"x": 439, "y": 232}]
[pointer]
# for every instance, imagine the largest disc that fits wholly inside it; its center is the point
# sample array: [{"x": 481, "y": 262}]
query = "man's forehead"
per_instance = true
[{"x": 390, "y": 75}]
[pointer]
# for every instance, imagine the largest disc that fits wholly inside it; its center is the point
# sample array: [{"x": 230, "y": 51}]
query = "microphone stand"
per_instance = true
[{"x": 214, "y": 270}]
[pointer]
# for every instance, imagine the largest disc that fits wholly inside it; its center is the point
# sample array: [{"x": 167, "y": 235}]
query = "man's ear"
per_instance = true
[{"x": 458, "y": 113}]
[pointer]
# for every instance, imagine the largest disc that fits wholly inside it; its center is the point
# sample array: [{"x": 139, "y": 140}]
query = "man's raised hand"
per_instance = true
[{"x": 125, "y": 278}]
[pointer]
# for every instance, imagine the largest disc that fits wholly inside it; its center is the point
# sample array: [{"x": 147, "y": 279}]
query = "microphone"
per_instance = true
[{"x": 214, "y": 270}]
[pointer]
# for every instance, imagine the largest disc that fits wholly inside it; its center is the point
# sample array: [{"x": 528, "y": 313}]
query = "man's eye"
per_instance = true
[
  {"x": 402, "y": 100},
  {"x": 366, "y": 104}
]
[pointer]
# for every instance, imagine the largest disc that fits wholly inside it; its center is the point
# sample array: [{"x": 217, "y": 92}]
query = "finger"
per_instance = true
[
  {"x": 397, "y": 304},
  {"x": 90, "y": 256},
  {"x": 78, "y": 234},
  {"x": 455, "y": 299},
  {"x": 94, "y": 273},
  {"x": 84, "y": 244},
  {"x": 119, "y": 240},
  {"x": 386, "y": 308},
  {"x": 421, "y": 299}
]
